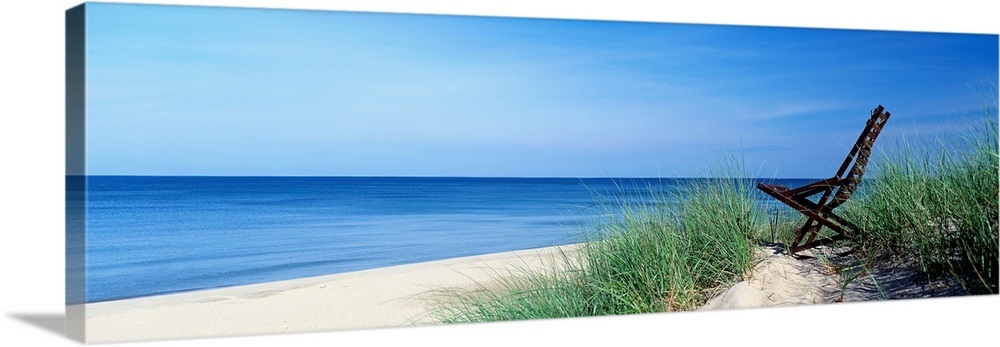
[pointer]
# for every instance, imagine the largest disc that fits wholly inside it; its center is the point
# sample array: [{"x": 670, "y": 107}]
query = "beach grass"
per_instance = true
[
  {"x": 934, "y": 200},
  {"x": 937, "y": 200},
  {"x": 666, "y": 255},
  {"x": 782, "y": 224}
]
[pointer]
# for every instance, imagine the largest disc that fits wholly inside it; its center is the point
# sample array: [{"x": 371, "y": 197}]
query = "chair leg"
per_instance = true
[
  {"x": 813, "y": 232},
  {"x": 811, "y": 227},
  {"x": 799, "y": 234}
]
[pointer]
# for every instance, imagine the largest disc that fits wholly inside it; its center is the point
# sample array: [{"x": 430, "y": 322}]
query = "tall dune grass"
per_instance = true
[
  {"x": 645, "y": 257},
  {"x": 939, "y": 203},
  {"x": 938, "y": 200}
]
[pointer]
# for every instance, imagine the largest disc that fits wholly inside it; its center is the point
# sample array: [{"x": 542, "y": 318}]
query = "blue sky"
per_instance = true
[{"x": 214, "y": 91}]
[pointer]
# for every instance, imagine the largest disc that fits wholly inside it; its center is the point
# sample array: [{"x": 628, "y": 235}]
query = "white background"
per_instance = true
[{"x": 31, "y": 191}]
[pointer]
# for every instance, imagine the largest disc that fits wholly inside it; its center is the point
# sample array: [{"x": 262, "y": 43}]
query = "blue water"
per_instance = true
[{"x": 149, "y": 235}]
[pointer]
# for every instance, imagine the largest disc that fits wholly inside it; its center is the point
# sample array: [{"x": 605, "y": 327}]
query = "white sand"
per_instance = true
[
  {"x": 781, "y": 280},
  {"x": 402, "y": 295},
  {"x": 386, "y": 297},
  {"x": 819, "y": 277}
]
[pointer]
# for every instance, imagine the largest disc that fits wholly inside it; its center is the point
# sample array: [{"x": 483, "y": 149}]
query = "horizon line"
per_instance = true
[{"x": 401, "y": 176}]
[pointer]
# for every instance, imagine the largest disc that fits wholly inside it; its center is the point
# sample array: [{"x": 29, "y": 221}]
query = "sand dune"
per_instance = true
[
  {"x": 401, "y": 295},
  {"x": 829, "y": 275}
]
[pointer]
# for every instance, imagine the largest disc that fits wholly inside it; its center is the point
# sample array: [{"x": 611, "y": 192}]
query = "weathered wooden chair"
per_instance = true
[{"x": 836, "y": 190}]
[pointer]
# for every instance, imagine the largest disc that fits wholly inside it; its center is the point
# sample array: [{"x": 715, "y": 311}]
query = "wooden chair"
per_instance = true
[{"x": 836, "y": 190}]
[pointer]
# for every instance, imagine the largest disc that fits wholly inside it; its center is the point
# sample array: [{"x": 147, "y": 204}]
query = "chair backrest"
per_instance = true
[{"x": 859, "y": 155}]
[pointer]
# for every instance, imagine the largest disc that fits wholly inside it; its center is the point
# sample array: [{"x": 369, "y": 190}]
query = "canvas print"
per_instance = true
[{"x": 241, "y": 171}]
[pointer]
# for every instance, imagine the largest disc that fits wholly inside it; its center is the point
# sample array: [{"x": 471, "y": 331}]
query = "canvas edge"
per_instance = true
[{"x": 75, "y": 172}]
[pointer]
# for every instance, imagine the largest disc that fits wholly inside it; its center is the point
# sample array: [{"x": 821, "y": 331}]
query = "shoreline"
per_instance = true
[
  {"x": 384, "y": 297},
  {"x": 403, "y": 295}
]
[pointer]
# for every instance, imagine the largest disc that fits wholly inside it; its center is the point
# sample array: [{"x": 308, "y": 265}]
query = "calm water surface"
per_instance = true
[{"x": 149, "y": 235}]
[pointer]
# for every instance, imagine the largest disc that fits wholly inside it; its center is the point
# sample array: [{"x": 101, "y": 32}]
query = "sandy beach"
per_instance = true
[
  {"x": 401, "y": 295},
  {"x": 386, "y": 297}
]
